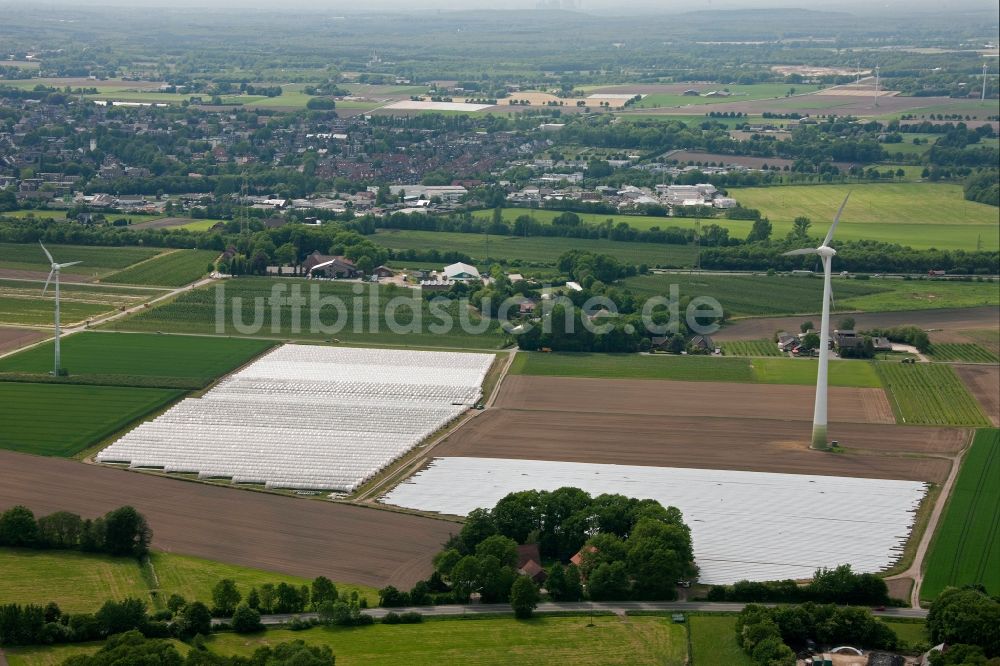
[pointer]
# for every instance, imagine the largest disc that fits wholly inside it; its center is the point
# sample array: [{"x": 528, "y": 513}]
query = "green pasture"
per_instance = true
[
  {"x": 920, "y": 215},
  {"x": 333, "y": 315},
  {"x": 142, "y": 359},
  {"x": 199, "y": 225},
  {"x": 97, "y": 261},
  {"x": 911, "y": 633},
  {"x": 966, "y": 548},
  {"x": 740, "y": 93},
  {"x": 22, "y": 302},
  {"x": 692, "y": 368},
  {"x": 81, "y": 582},
  {"x": 713, "y": 641},
  {"x": 535, "y": 249},
  {"x": 974, "y": 108},
  {"x": 919, "y": 295},
  {"x": 171, "y": 269},
  {"x": 929, "y": 394},
  {"x": 542, "y": 641},
  {"x": 61, "y": 420},
  {"x": 42, "y": 214}
]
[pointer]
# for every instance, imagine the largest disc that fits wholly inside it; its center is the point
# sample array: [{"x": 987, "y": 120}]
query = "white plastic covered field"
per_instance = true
[
  {"x": 309, "y": 417},
  {"x": 745, "y": 525}
]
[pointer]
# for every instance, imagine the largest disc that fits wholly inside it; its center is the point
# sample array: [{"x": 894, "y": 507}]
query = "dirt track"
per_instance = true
[
  {"x": 670, "y": 398},
  {"x": 946, "y": 319},
  {"x": 758, "y": 445},
  {"x": 983, "y": 381},
  {"x": 282, "y": 534},
  {"x": 14, "y": 338}
]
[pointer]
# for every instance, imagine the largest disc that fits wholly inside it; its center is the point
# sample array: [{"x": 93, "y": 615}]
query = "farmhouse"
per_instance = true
[
  {"x": 847, "y": 339},
  {"x": 319, "y": 265}
]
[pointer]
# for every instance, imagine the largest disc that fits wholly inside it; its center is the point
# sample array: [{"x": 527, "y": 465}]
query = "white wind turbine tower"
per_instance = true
[
  {"x": 55, "y": 271},
  {"x": 826, "y": 253}
]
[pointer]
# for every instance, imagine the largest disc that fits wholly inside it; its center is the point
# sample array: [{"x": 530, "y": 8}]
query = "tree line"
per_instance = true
[{"x": 121, "y": 532}]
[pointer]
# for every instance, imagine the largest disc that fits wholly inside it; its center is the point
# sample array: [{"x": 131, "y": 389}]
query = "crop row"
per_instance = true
[{"x": 929, "y": 394}]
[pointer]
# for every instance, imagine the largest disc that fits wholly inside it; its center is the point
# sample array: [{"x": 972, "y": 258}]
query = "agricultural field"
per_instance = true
[
  {"x": 140, "y": 359},
  {"x": 97, "y": 261},
  {"x": 22, "y": 302},
  {"x": 195, "y": 312},
  {"x": 921, "y": 215},
  {"x": 929, "y": 394},
  {"x": 170, "y": 269},
  {"x": 713, "y": 641},
  {"x": 961, "y": 352},
  {"x": 535, "y": 249},
  {"x": 763, "y": 295},
  {"x": 966, "y": 549},
  {"x": 762, "y": 347},
  {"x": 642, "y": 222},
  {"x": 61, "y": 420},
  {"x": 740, "y": 93},
  {"x": 546, "y": 641},
  {"x": 911, "y": 633},
  {"x": 81, "y": 582},
  {"x": 853, "y": 374}
]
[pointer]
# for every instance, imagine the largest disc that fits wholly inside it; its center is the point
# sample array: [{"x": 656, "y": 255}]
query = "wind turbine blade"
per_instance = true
[
  {"x": 51, "y": 260},
  {"x": 795, "y": 253},
  {"x": 833, "y": 227},
  {"x": 72, "y": 263},
  {"x": 46, "y": 287}
]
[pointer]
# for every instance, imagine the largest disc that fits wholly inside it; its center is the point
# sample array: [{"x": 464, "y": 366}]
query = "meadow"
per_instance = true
[
  {"x": 966, "y": 548},
  {"x": 961, "y": 352},
  {"x": 713, "y": 641},
  {"x": 22, "y": 302},
  {"x": 929, "y": 394},
  {"x": 740, "y": 93},
  {"x": 536, "y": 249},
  {"x": 345, "y": 315},
  {"x": 140, "y": 359},
  {"x": 61, "y": 420},
  {"x": 542, "y": 641},
  {"x": 170, "y": 269},
  {"x": 693, "y": 368},
  {"x": 97, "y": 261},
  {"x": 81, "y": 582},
  {"x": 762, "y": 347},
  {"x": 921, "y": 215}
]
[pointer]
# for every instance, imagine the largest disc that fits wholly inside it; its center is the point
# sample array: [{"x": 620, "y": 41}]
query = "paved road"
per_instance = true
[{"x": 618, "y": 608}]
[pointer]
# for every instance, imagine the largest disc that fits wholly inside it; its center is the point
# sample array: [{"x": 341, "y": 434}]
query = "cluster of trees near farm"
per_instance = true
[
  {"x": 121, "y": 532},
  {"x": 628, "y": 549}
]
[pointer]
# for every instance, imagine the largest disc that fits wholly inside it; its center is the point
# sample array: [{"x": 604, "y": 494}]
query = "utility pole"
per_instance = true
[
  {"x": 985, "y": 69},
  {"x": 876, "y": 85}
]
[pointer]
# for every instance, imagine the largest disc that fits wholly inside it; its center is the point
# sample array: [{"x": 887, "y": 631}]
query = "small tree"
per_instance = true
[
  {"x": 195, "y": 619},
  {"x": 246, "y": 620},
  {"x": 175, "y": 603},
  {"x": 18, "y": 527},
  {"x": 523, "y": 597},
  {"x": 323, "y": 590},
  {"x": 806, "y": 326},
  {"x": 225, "y": 597},
  {"x": 847, "y": 324}
]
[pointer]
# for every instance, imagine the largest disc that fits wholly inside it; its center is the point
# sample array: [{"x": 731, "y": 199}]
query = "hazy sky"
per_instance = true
[{"x": 590, "y": 6}]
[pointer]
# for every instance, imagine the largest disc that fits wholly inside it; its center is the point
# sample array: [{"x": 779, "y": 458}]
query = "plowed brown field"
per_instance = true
[{"x": 983, "y": 381}]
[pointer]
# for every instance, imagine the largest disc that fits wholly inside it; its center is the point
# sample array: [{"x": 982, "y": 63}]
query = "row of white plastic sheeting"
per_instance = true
[
  {"x": 745, "y": 525},
  {"x": 309, "y": 417}
]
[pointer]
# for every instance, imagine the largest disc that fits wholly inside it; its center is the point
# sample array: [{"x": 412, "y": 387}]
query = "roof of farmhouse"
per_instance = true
[{"x": 461, "y": 270}]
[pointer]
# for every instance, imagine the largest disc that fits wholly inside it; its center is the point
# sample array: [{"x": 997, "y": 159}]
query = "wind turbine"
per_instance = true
[
  {"x": 826, "y": 254},
  {"x": 55, "y": 271}
]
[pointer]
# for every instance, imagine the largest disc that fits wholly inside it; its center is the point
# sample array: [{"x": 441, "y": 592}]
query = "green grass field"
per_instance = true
[
  {"x": 854, "y": 373},
  {"x": 713, "y": 641},
  {"x": 757, "y": 295},
  {"x": 963, "y": 352},
  {"x": 97, "y": 261},
  {"x": 544, "y": 641},
  {"x": 693, "y": 368},
  {"x": 929, "y": 394},
  {"x": 127, "y": 359},
  {"x": 912, "y": 633},
  {"x": 22, "y": 302},
  {"x": 171, "y": 269},
  {"x": 535, "y": 249},
  {"x": 81, "y": 582},
  {"x": 921, "y": 215},
  {"x": 195, "y": 312},
  {"x": 60, "y": 420},
  {"x": 966, "y": 548},
  {"x": 763, "y": 347},
  {"x": 740, "y": 93}
]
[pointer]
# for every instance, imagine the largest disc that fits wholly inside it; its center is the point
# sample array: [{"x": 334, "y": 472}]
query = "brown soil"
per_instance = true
[
  {"x": 757, "y": 445},
  {"x": 945, "y": 319},
  {"x": 14, "y": 338},
  {"x": 899, "y": 588},
  {"x": 983, "y": 381},
  {"x": 19, "y": 274},
  {"x": 283, "y": 534},
  {"x": 670, "y": 398}
]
